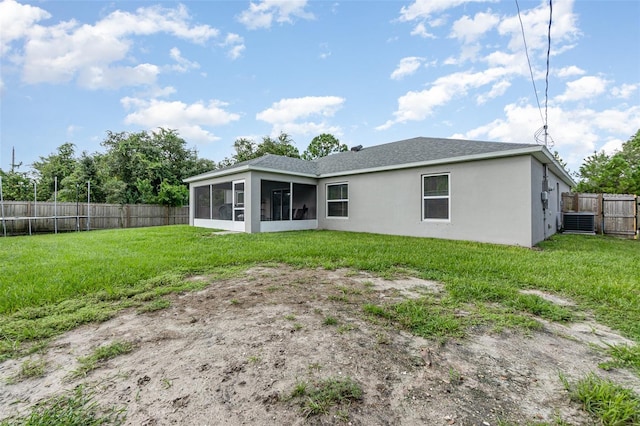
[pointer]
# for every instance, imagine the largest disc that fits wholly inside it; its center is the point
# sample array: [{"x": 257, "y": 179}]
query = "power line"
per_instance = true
[
  {"x": 546, "y": 80},
  {"x": 541, "y": 136}
]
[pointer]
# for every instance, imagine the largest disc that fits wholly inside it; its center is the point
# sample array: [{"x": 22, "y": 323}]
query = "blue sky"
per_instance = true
[{"x": 368, "y": 72}]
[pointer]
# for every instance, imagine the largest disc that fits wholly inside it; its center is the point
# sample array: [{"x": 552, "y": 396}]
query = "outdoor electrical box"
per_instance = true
[{"x": 544, "y": 196}]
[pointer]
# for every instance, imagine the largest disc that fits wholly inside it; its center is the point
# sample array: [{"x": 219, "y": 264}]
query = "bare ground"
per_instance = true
[{"x": 234, "y": 352}]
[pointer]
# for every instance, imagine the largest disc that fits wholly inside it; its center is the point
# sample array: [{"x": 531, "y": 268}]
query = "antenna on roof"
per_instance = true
[{"x": 543, "y": 137}]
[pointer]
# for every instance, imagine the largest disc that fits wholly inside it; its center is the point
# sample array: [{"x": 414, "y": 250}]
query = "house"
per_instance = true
[{"x": 494, "y": 192}]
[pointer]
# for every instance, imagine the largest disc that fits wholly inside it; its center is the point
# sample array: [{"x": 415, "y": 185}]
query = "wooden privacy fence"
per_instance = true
[
  {"x": 616, "y": 214},
  {"x": 27, "y": 217}
]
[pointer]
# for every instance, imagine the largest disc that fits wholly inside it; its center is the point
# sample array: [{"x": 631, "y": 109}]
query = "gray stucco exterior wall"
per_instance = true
[
  {"x": 545, "y": 220},
  {"x": 494, "y": 199},
  {"x": 490, "y": 201}
]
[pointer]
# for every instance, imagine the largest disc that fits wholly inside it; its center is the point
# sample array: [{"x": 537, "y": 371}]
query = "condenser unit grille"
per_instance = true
[{"x": 579, "y": 222}]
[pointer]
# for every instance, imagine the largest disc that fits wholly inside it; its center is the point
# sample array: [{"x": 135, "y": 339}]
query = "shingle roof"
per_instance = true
[
  {"x": 389, "y": 155},
  {"x": 416, "y": 150},
  {"x": 281, "y": 163}
]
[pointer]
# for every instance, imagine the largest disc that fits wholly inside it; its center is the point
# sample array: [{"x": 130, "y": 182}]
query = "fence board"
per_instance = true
[
  {"x": 615, "y": 214},
  {"x": 25, "y": 217},
  {"x": 619, "y": 214}
]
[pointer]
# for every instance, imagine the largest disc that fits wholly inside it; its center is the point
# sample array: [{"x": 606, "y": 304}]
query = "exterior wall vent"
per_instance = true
[{"x": 582, "y": 222}]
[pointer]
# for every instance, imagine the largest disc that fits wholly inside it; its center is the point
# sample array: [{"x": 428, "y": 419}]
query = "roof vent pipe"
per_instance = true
[{"x": 356, "y": 148}]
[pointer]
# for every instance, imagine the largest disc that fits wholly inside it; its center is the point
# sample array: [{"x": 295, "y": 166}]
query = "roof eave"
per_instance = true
[
  {"x": 217, "y": 173},
  {"x": 447, "y": 160},
  {"x": 245, "y": 168},
  {"x": 545, "y": 157},
  {"x": 281, "y": 171}
]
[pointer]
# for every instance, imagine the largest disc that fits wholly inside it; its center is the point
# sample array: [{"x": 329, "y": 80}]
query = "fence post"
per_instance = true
[
  {"x": 55, "y": 204},
  {"x": 637, "y": 216},
  {"x": 88, "y": 205},
  {"x": 600, "y": 208},
  {"x": 4, "y": 224}
]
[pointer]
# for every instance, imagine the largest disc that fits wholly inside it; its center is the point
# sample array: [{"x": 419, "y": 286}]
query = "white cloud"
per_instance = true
[
  {"x": 612, "y": 146},
  {"x": 578, "y": 136},
  {"x": 517, "y": 63},
  {"x": 157, "y": 92},
  {"x": 68, "y": 50},
  {"x": 183, "y": 64},
  {"x": 422, "y": 9},
  {"x": 115, "y": 77},
  {"x": 421, "y": 30},
  {"x": 263, "y": 13},
  {"x": 570, "y": 71},
  {"x": 236, "y": 46},
  {"x": 505, "y": 62},
  {"x": 294, "y": 115},
  {"x": 583, "y": 88},
  {"x": 497, "y": 89},
  {"x": 416, "y": 106},
  {"x": 536, "y": 22},
  {"x": 625, "y": 91},
  {"x": 468, "y": 52},
  {"x": 407, "y": 66},
  {"x": 470, "y": 30},
  {"x": 153, "y": 20},
  {"x": 191, "y": 120},
  {"x": 16, "y": 20}
]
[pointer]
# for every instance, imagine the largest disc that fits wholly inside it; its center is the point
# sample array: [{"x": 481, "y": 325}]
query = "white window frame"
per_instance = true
[
  {"x": 340, "y": 200},
  {"x": 237, "y": 206},
  {"x": 436, "y": 197}
]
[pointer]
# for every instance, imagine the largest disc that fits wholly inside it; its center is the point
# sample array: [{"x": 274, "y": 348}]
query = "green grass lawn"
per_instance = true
[{"x": 51, "y": 283}]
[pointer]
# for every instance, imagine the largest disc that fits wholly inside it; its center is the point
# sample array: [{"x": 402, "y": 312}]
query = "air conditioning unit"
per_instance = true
[{"x": 583, "y": 222}]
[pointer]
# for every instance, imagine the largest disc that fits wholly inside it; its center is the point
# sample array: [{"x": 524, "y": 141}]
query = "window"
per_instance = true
[
  {"x": 220, "y": 201},
  {"x": 435, "y": 197},
  {"x": 287, "y": 201},
  {"x": 222, "y": 195},
  {"x": 338, "y": 200},
  {"x": 238, "y": 201},
  {"x": 203, "y": 202}
]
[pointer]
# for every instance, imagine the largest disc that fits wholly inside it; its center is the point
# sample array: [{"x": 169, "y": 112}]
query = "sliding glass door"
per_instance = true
[{"x": 280, "y": 204}]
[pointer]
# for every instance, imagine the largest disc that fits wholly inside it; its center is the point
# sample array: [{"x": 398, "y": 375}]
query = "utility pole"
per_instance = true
[{"x": 13, "y": 160}]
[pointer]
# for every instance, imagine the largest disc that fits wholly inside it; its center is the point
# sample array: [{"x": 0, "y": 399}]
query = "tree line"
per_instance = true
[
  {"x": 618, "y": 173},
  {"x": 149, "y": 167},
  {"x": 143, "y": 167}
]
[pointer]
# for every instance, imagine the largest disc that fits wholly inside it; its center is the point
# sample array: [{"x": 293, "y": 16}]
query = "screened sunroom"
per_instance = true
[{"x": 287, "y": 205}]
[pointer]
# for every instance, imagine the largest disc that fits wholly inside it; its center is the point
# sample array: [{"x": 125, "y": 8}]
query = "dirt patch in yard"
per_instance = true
[{"x": 235, "y": 352}]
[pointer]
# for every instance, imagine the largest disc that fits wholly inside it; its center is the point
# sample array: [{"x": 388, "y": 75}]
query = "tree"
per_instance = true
[
  {"x": 139, "y": 165},
  {"x": 323, "y": 145},
  {"x": 16, "y": 186},
  {"x": 59, "y": 165},
  {"x": 559, "y": 159},
  {"x": 88, "y": 168},
  {"x": 247, "y": 149},
  {"x": 172, "y": 195},
  {"x": 618, "y": 173},
  {"x": 631, "y": 153},
  {"x": 283, "y": 145}
]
